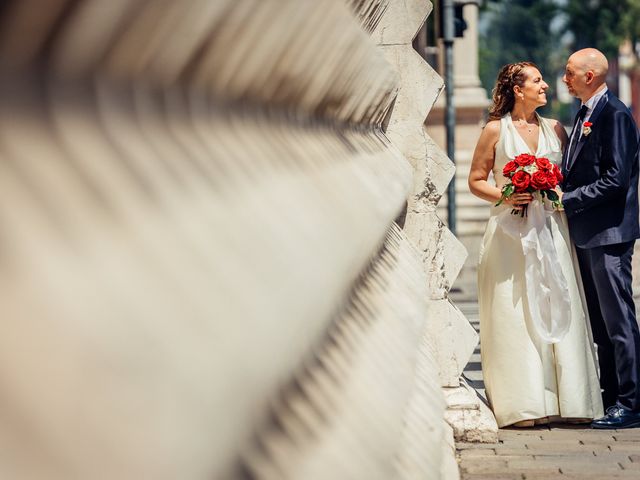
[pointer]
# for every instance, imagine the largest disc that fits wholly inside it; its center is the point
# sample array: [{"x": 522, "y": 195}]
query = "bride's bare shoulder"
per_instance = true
[
  {"x": 558, "y": 128},
  {"x": 492, "y": 128},
  {"x": 551, "y": 121},
  {"x": 489, "y": 137}
]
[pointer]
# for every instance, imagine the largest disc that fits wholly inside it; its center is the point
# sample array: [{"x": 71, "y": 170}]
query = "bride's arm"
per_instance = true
[
  {"x": 481, "y": 165},
  {"x": 562, "y": 133}
]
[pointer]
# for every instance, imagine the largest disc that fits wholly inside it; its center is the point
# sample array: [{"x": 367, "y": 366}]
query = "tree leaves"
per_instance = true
[
  {"x": 518, "y": 30},
  {"x": 603, "y": 24},
  {"x": 507, "y": 191}
]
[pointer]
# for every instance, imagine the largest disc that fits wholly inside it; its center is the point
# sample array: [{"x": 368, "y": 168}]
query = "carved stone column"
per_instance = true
[
  {"x": 471, "y": 104},
  {"x": 453, "y": 337},
  {"x": 469, "y": 416},
  {"x": 201, "y": 274}
]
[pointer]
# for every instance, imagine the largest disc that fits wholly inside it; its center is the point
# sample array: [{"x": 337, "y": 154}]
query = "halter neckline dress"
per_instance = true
[{"x": 526, "y": 378}]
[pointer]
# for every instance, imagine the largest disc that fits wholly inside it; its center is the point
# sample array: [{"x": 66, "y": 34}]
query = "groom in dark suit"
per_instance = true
[{"x": 600, "y": 168}]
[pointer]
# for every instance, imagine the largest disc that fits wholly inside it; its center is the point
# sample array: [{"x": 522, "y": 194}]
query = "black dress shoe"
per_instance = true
[{"x": 617, "y": 417}]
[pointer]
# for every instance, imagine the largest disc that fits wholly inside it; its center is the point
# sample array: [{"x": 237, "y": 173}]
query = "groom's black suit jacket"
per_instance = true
[{"x": 601, "y": 178}]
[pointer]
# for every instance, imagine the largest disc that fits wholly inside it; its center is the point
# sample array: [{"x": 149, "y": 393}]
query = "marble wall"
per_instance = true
[{"x": 201, "y": 273}]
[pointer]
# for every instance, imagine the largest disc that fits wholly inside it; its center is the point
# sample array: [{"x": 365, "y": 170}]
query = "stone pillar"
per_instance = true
[
  {"x": 453, "y": 338},
  {"x": 468, "y": 89},
  {"x": 471, "y": 104},
  {"x": 469, "y": 417},
  {"x": 201, "y": 274}
]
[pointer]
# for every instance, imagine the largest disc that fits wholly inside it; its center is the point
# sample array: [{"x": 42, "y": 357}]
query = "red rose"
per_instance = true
[
  {"x": 558, "y": 174},
  {"x": 524, "y": 159},
  {"x": 587, "y": 124},
  {"x": 543, "y": 163},
  {"x": 521, "y": 180},
  {"x": 539, "y": 180},
  {"x": 552, "y": 180},
  {"x": 509, "y": 168}
]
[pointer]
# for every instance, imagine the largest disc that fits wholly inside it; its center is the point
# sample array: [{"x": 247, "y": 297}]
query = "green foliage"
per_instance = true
[
  {"x": 603, "y": 24},
  {"x": 631, "y": 21},
  {"x": 507, "y": 191},
  {"x": 516, "y": 30},
  {"x": 519, "y": 30},
  {"x": 552, "y": 195}
]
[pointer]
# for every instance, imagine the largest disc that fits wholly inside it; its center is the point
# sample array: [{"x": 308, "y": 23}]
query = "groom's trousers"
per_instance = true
[{"x": 606, "y": 275}]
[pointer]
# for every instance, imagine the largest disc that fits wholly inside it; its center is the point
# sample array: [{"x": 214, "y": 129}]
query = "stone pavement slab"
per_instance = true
[
  {"x": 553, "y": 452},
  {"x": 562, "y": 452}
]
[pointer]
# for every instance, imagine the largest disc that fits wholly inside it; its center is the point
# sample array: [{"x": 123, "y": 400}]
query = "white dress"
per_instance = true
[{"x": 524, "y": 377}]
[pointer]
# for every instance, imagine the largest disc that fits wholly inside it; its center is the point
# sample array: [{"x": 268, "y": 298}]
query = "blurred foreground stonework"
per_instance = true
[{"x": 201, "y": 273}]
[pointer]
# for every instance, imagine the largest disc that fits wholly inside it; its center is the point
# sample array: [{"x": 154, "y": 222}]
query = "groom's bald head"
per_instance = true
[
  {"x": 586, "y": 72},
  {"x": 590, "y": 59}
]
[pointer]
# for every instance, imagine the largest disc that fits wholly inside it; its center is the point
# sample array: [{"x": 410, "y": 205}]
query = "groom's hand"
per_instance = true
[{"x": 560, "y": 193}]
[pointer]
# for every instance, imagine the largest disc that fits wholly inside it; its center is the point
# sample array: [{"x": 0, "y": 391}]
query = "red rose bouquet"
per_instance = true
[{"x": 529, "y": 174}]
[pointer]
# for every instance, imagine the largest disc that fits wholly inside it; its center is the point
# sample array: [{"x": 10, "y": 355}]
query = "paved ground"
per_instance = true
[{"x": 558, "y": 452}]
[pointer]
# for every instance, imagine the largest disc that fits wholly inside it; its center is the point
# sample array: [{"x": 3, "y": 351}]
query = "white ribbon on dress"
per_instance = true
[{"x": 545, "y": 285}]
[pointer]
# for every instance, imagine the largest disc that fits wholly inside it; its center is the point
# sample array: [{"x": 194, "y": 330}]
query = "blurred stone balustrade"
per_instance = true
[{"x": 201, "y": 277}]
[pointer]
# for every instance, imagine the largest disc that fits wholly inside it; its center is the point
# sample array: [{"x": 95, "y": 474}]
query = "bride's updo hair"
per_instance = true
[{"x": 504, "y": 98}]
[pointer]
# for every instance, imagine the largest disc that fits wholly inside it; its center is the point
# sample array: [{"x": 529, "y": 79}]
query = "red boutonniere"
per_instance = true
[{"x": 586, "y": 128}]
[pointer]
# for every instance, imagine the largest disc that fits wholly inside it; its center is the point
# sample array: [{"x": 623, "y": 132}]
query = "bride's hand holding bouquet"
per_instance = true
[
  {"x": 528, "y": 175},
  {"x": 517, "y": 201}
]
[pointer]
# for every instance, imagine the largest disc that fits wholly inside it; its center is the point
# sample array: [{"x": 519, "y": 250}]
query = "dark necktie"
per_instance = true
[{"x": 576, "y": 130}]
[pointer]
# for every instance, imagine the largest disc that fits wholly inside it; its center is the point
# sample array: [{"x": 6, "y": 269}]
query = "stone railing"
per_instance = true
[{"x": 202, "y": 277}]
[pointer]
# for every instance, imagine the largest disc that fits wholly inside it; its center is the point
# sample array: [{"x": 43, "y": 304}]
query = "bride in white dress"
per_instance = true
[{"x": 527, "y": 380}]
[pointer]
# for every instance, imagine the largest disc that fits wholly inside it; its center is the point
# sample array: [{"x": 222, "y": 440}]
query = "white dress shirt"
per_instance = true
[{"x": 591, "y": 104}]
